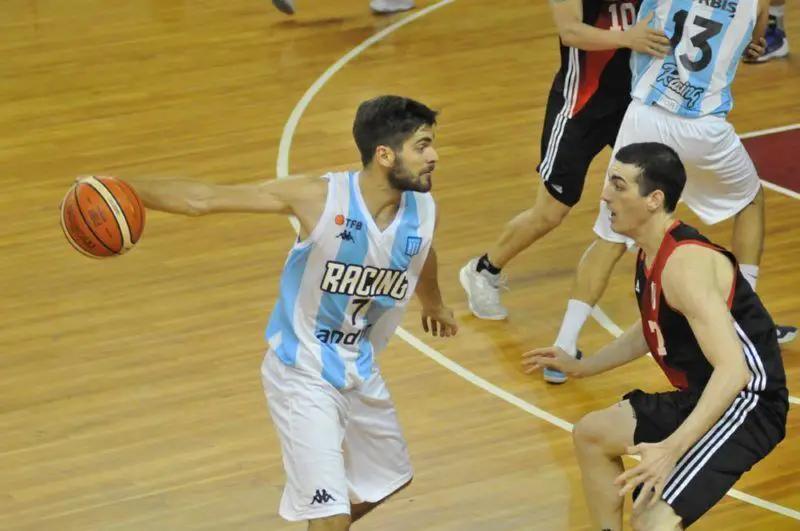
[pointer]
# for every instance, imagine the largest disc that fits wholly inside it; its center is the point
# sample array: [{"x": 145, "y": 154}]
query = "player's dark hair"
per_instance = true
[
  {"x": 388, "y": 121},
  {"x": 660, "y": 169}
]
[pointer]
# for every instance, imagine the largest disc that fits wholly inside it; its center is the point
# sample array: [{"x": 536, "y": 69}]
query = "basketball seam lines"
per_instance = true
[
  {"x": 109, "y": 198},
  {"x": 80, "y": 211}
]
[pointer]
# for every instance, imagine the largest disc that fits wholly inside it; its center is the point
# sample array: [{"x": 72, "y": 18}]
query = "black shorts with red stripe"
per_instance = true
[
  {"x": 750, "y": 429},
  {"x": 571, "y": 140}
]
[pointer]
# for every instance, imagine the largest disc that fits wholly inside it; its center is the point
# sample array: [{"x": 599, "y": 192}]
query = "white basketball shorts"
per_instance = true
[
  {"x": 721, "y": 178},
  {"x": 338, "y": 447}
]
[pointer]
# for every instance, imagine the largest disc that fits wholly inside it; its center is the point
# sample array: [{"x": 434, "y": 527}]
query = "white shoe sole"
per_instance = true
[{"x": 464, "y": 280}]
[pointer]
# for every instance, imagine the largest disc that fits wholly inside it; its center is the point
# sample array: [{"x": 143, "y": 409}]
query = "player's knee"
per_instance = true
[
  {"x": 589, "y": 431},
  {"x": 338, "y": 522},
  {"x": 553, "y": 212},
  {"x": 660, "y": 517}
]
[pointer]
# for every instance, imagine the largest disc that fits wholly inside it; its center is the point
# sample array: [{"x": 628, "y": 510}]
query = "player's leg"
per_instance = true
[
  {"x": 597, "y": 263},
  {"x": 748, "y": 431},
  {"x": 376, "y": 456},
  {"x": 725, "y": 184},
  {"x": 309, "y": 416},
  {"x": 594, "y": 268},
  {"x": 601, "y": 439},
  {"x": 567, "y": 150}
]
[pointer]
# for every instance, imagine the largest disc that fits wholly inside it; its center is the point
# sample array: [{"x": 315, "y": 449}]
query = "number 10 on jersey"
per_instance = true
[{"x": 623, "y": 15}]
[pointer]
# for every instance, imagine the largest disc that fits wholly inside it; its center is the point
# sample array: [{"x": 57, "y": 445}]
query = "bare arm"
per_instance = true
[
  {"x": 696, "y": 283},
  {"x": 630, "y": 346},
  {"x": 568, "y": 17},
  {"x": 436, "y": 317},
  {"x": 762, "y": 21},
  {"x": 195, "y": 198},
  {"x": 428, "y": 284}
]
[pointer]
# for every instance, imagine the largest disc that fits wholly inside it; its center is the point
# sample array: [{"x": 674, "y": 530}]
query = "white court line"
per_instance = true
[
  {"x": 606, "y": 322},
  {"x": 283, "y": 171}
]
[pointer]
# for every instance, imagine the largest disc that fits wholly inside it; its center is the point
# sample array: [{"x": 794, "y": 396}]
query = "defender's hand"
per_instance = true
[
  {"x": 644, "y": 39},
  {"x": 552, "y": 358}
]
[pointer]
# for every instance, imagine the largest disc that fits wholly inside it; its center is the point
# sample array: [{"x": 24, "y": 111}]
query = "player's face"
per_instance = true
[
  {"x": 413, "y": 166},
  {"x": 628, "y": 209}
]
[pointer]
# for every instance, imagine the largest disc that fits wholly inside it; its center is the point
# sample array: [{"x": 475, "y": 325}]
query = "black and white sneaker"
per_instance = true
[{"x": 786, "y": 334}]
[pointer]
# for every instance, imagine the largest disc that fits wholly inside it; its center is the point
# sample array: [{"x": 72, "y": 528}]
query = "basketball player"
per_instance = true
[
  {"x": 586, "y": 104},
  {"x": 712, "y": 337},
  {"x": 379, "y": 7},
  {"x": 683, "y": 100},
  {"x": 365, "y": 245}
]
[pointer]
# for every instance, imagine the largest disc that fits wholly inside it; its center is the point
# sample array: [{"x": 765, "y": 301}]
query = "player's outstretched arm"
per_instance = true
[
  {"x": 629, "y": 346},
  {"x": 691, "y": 285},
  {"x": 196, "y": 198},
  {"x": 568, "y": 16}
]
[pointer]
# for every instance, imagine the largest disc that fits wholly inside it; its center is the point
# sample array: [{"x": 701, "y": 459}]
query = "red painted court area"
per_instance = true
[{"x": 777, "y": 157}]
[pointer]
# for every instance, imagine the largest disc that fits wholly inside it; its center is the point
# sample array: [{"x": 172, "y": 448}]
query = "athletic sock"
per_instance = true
[{"x": 574, "y": 319}]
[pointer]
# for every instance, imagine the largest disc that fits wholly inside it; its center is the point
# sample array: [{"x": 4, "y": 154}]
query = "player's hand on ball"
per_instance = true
[
  {"x": 551, "y": 358},
  {"x": 644, "y": 39},
  {"x": 439, "y": 321}
]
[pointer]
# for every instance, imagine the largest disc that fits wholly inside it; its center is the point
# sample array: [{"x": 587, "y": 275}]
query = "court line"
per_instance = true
[
  {"x": 606, "y": 322},
  {"x": 282, "y": 168}
]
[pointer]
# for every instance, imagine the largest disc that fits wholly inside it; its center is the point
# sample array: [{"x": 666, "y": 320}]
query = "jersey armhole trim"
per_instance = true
[
  {"x": 313, "y": 236},
  {"x": 707, "y": 246}
]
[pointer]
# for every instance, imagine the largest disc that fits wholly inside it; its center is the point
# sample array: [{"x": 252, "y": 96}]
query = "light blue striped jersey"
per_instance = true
[
  {"x": 707, "y": 41},
  {"x": 344, "y": 289}
]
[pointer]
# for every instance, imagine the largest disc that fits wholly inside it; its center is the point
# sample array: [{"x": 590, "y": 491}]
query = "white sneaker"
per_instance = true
[
  {"x": 483, "y": 292},
  {"x": 386, "y": 7}
]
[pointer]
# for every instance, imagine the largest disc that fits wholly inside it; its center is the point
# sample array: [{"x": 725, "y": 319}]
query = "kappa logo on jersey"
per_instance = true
[
  {"x": 364, "y": 281},
  {"x": 346, "y": 236},
  {"x": 349, "y": 223},
  {"x": 322, "y": 496},
  {"x": 413, "y": 245},
  {"x": 670, "y": 79}
]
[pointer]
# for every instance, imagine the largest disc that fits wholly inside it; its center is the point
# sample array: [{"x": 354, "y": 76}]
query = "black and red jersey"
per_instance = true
[
  {"x": 671, "y": 340},
  {"x": 597, "y": 82}
]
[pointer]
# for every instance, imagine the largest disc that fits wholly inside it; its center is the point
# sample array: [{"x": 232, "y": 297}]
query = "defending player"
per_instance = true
[{"x": 709, "y": 332}]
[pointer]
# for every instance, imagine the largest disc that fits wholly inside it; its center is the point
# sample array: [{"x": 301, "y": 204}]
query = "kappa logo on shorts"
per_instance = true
[{"x": 322, "y": 496}]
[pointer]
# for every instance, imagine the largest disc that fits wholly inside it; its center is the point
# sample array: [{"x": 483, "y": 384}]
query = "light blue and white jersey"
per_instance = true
[
  {"x": 708, "y": 38},
  {"x": 344, "y": 289}
]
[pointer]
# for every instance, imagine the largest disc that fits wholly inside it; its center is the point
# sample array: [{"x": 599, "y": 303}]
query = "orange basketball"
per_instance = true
[{"x": 102, "y": 216}]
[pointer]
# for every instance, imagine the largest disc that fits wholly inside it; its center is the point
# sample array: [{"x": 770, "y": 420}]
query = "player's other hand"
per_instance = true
[
  {"x": 755, "y": 50},
  {"x": 551, "y": 358},
  {"x": 644, "y": 39},
  {"x": 439, "y": 321}
]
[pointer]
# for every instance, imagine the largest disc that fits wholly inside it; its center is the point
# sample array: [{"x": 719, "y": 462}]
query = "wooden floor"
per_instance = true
[{"x": 130, "y": 394}]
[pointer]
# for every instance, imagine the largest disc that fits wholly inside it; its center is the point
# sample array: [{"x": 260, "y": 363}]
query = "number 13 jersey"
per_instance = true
[
  {"x": 707, "y": 40},
  {"x": 344, "y": 288},
  {"x": 670, "y": 337}
]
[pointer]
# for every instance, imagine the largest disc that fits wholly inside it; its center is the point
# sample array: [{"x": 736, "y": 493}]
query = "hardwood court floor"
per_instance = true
[{"x": 130, "y": 389}]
